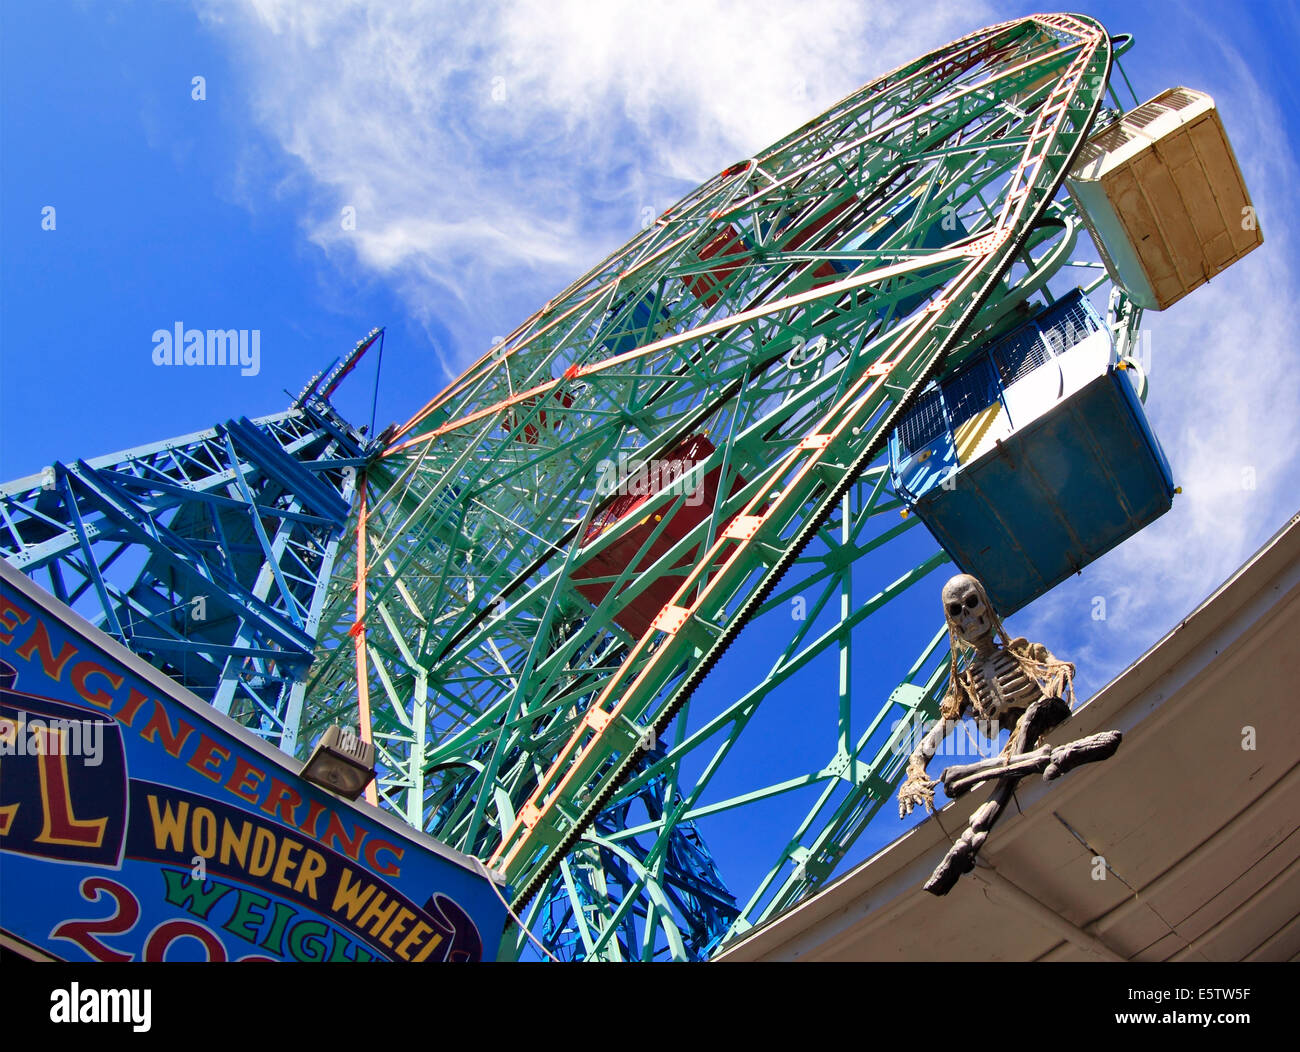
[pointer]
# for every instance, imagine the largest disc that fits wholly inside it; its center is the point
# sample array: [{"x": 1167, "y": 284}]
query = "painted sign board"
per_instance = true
[{"x": 139, "y": 824}]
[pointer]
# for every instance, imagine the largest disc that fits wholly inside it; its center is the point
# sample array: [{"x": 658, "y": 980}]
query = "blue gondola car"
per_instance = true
[
  {"x": 940, "y": 234},
  {"x": 1035, "y": 457},
  {"x": 635, "y": 326},
  {"x": 937, "y": 235}
]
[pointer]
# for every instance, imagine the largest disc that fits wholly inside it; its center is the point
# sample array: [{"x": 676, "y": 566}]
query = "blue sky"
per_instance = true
[{"x": 492, "y": 153}]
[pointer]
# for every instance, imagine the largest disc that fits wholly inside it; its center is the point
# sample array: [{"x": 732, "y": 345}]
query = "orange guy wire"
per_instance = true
[{"x": 359, "y": 634}]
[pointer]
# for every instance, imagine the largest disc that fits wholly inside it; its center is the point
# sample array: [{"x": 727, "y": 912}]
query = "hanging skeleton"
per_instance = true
[{"x": 1008, "y": 682}]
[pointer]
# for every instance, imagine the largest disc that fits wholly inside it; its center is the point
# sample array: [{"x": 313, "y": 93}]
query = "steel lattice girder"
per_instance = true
[
  {"x": 206, "y": 554},
  {"x": 510, "y": 705},
  {"x": 689, "y": 879}
]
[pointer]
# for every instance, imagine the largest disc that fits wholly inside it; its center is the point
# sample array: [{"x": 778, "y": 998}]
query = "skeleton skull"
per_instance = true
[{"x": 967, "y": 609}]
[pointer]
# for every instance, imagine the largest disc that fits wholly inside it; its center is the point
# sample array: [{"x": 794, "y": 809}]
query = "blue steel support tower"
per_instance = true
[{"x": 207, "y": 555}]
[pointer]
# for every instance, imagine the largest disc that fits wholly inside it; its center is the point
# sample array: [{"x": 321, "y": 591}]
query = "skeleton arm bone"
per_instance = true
[
  {"x": 1055, "y": 676},
  {"x": 918, "y": 788}
]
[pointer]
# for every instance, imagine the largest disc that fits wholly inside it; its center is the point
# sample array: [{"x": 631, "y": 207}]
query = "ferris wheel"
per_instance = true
[
  {"x": 711, "y": 442},
  {"x": 640, "y": 611}
]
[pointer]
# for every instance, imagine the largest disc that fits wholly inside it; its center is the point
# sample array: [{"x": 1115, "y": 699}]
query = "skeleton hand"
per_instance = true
[{"x": 917, "y": 789}]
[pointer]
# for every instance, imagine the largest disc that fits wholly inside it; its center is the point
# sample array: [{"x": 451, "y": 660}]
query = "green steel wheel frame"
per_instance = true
[{"x": 792, "y": 307}]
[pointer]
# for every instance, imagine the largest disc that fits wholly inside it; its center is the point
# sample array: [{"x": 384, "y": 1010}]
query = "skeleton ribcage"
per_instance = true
[{"x": 1001, "y": 685}]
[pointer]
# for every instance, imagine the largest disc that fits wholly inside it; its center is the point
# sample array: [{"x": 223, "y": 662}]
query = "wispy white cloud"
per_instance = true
[{"x": 493, "y": 152}]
